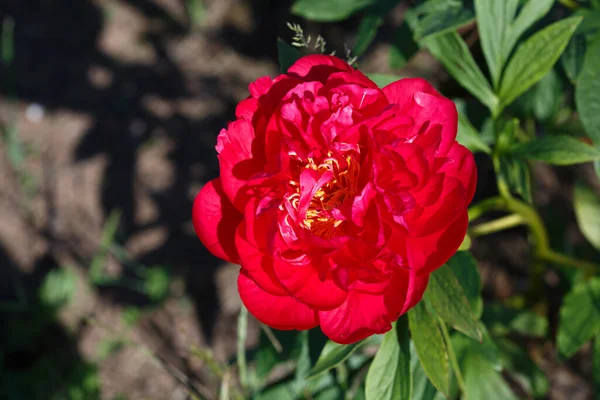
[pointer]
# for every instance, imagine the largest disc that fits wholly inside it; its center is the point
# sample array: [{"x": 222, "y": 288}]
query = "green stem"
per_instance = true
[
  {"x": 500, "y": 224},
  {"x": 489, "y": 204},
  {"x": 527, "y": 214},
  {"x": 503, "y": 187},
  {"x": 242, "y": 332},
  {"x": 452, "y": 356},
  {"x": 567, "y": 261},
  {"x": 536, "y": 225}
]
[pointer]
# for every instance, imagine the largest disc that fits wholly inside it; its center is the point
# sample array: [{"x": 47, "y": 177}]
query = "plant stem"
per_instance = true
[
  {"x": 509, "y": 221},
  {"x": 536, "y": 225},
  {"x": 567, "y": 261},
  {"x": 524, "y": 213},
  {"x": 452, "y": 356},
  {"x": 242, "y": 333},
  {"x": 489, "y": 204}
]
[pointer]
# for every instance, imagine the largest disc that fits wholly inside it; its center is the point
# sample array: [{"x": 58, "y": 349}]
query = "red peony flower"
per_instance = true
[{"x": 336, "y": 197}]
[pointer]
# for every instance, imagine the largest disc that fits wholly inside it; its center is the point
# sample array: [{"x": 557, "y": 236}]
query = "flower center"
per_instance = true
[{"x": 319, "y": 217}]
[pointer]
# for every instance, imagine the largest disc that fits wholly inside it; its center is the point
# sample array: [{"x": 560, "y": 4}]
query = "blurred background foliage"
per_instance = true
[{"x": 109, "y": 111}]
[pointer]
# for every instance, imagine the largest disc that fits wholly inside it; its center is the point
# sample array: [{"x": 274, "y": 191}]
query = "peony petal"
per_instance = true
[
  {"x": 462, "y": 166},
  {"x": 426, "y": 254},
  {"x": 418, "y": 99},
  {"x": 215, "y": 221},
  {"x": 246, "y": 109},
  {"x": 360, "y": 316},
  {"x": 451, "y": 201},
  {"x": 257, "y": 265},
  {"x": 417, "y": 283},
  {"x": 236, "y": 159},
  {"x": 260, "y": 86},
  {"x": 279, "y": 312},
  {"x": 317, "y": 67},
  {"x": 303, "y": 283}
]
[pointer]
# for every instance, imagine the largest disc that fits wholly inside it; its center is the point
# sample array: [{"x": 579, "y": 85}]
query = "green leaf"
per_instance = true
[
  {"x": 286, "y": 55},
  {"x": 515, "y": 172},
  {"x": 366, "y": 33},
  {"x": 557, "y": 150},
  {"x": 453, "y": 52},
  {"x": 502, "y": 320},
  {"x": 332, "y": 355},
  {"x": 383, "y": 80},
  {"x": 530, "y": 13},
  {"x": 596, "y": 364},
  {"x": 157, "y": 283},
  {"x": 108, "y": 347},
  {"x": 587, "y": 212},
  {"x": 422, "y": 387},
  {"x": 466, "y": 244},
  {"x": 303, "y": 365},
  {"x": 97, "y": 275},
  {"x": 437, "y": 17},
  {"x": 487, "y": 348},
  {"x": 522, "y": 369},
  {"x": 403, "y": 47},
  {"x": 482, "y": 381},
  {"x": 579, "y": 317},
  {"x": 448, "y": 299},
  {"x": 430, "y": 347},
  {"x": 547, "y": 96},
  {"x": 493, "y": 20},
  {"x": 469, "y": 137},
  {"x": 573, "y": 58},
  {"x": 330, "y": 10},
  {"x": 389, "y": 375},
  {"x": 587, "y": 93},
  {"x": 464, "y": 266},
  {"x": 284, "y": 390},
  {"x": 57, "y": 288},
  {"x": 535, "y": 57}
]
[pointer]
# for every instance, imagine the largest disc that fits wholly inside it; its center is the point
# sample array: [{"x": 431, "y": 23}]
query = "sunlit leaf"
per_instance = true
[
  {"x": 430, "y": 347},
  {"x": 535, "y": 57},
  {"x": 332, "y": 355},
  {"x": 453, "y": 52},
  {"x": 464, "y": 266},
  {"x": 449, "y": 301},
  {"x": 557, "y": 150},
  {"x": 587, "y": 212},
  {"x": 493, "y": 20},
  {"x": 587, "y": 92},
  {"x": 389, "y": 376}
]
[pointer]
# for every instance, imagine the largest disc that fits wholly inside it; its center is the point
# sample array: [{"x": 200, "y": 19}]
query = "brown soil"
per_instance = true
[{"x": 118, "y": 105}]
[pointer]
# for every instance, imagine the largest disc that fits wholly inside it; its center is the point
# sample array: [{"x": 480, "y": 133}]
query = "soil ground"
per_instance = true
[{"x": 117, "y": 105}]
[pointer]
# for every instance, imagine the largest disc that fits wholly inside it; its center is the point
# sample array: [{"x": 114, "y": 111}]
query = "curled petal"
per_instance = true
[
  {"x": 236, "y": 159},
  {"x": 279, "y": 312},
  {"x": 215, "y": 221},
  {"x": 426, "y": 254},
  {"x": 303, "y": 282},
  {"x": 436, "y": 216},
  {"x": 461, "y": 165},
  {"x": 317, "y": 67},
  {"x": 360, "y": 316},
  {"x": 257, "y": 264},
  {"x": 417, "y": 98}
]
